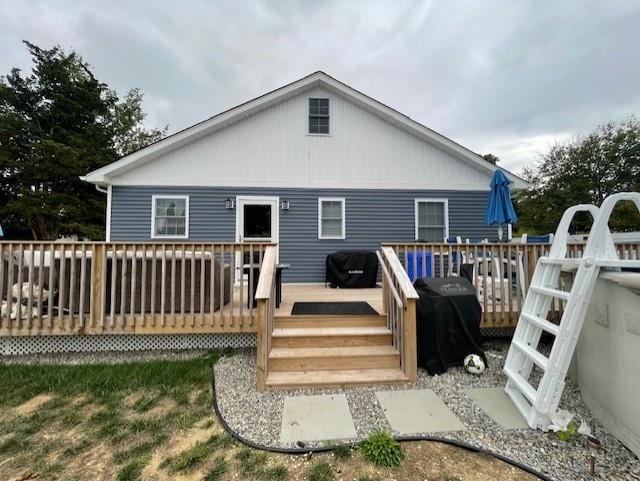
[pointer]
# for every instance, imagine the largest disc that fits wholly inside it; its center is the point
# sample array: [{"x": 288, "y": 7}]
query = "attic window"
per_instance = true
[{"x": 318, "y": 116}]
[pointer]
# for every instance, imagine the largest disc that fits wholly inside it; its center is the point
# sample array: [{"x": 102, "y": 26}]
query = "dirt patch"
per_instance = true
[
  {"x": 177, "y": 444},
  {"x": 94, "y": 464},
  {"x": 32, "y": 405},
  {"x": 424, "y": 461},
  {"x": 161, "y": 408}
]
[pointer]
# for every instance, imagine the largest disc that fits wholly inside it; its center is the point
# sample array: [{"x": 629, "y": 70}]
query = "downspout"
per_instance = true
[{"x": 108, "y": 213}]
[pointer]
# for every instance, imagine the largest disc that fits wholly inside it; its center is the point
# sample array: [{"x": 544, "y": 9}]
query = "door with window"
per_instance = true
[{"x": 256, "y": 221}]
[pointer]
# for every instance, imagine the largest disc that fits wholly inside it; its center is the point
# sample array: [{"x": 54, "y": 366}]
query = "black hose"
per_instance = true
[{"x": 326, "y": 449}]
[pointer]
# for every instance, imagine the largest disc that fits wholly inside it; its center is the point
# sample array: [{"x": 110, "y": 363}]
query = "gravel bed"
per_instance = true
[
  {"x": 103, "y": 357},
  {"x": 258, "y": 417}
]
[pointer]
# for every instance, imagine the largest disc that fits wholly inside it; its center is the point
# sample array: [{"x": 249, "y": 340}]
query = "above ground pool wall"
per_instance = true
[{"x": 608, "y": 361}]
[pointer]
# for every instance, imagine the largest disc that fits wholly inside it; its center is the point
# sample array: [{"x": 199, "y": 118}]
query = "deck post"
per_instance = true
[
  {"x": 261, "y": 346},
  {"x": 410, "y": 344},
  {"x": 97, "y": 255}
]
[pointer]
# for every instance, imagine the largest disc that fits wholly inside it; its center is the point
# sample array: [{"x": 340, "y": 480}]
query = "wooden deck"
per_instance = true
[{"x": 292, "y": 293}]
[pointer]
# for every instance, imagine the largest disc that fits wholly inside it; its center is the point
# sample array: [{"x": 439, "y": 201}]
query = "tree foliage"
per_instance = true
[
  {"x": 585, "y": 170},
  {"x": 494, "y": 159},
  {"x": 57, "y": 124}
]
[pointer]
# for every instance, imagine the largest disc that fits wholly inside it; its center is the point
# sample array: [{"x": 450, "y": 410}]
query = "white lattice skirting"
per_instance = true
[{"x": 12, "y": 346}]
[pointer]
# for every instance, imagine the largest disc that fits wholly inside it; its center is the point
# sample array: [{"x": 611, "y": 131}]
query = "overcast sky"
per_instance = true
[{"x": 506, "y": 77}]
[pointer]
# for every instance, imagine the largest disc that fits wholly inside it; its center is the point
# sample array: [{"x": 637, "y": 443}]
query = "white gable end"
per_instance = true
[{"x": 272, "y": 148}]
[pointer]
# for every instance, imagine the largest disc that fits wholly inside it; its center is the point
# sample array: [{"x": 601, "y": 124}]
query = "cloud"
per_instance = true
[{"x": 505, "y": 77}]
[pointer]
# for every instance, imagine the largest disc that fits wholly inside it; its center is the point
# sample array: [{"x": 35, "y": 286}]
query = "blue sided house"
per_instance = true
[{"x": 315, "y": 166}]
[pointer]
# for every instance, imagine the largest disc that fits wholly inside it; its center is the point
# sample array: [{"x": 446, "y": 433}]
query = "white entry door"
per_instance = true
[{"x": 256, "y": 219}]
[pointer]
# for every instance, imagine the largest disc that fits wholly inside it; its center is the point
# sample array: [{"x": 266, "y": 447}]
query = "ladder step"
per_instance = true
[
  {"x": 547, "y": 291},
  {"x": 539, "y": 359},
  {"x": 519, "y": 382},
  {"x": 541, "y": 323},
  {"x": 565, "y": 264}
]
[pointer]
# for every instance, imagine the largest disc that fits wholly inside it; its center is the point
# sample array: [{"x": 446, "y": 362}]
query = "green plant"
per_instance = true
[
  {"x": 567, "y": 435},
  {"x": 275, "y": 473},
  {"x": 251, "y": 462},
  {"x": 342, "y": 451},
  {"x": 320, "y": 471},
  {"x": 217, "y": 471},
  {"x": 132, "y": 470},
  {"x": 382, "y": 450}
]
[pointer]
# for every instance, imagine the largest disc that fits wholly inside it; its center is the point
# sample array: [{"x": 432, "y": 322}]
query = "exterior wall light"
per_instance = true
[
  {"x": 284, "y": 204},
  {"x": 229, "y": 203}
]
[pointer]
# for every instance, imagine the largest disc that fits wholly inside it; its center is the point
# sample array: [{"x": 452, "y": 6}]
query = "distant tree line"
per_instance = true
[
  {"x": 584, "y": 170},
  {"x": 56, "y": 124}
]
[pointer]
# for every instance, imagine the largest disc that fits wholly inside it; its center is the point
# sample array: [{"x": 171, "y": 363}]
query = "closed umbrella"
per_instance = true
[{"x": 500, "y": 208}]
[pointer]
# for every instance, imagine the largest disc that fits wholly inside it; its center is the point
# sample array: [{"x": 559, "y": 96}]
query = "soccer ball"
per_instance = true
[{"x": 474, "y": 364}]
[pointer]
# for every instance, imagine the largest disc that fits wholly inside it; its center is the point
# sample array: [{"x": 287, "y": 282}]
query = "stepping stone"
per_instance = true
[
  {"x": 417, "y": 411},
  {"x": 496, "y": 404},
  {"x": 316, "y": 418}
]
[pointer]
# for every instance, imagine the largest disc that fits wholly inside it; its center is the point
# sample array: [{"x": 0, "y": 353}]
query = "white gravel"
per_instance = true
[{"x": 258, "y": 417}]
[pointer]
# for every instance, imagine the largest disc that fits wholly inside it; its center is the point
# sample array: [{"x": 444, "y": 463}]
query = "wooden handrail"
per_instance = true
[
  {"x": 400, "y": 274},
  {"x": 500, "y": 272},
  {"x": 266, "y": 299},
  {"x": 267, "y": 273},
  {"x": 72, "y": 288},
  {"x": 400, "y": 309},
  {"x": 388, "y": 278}
]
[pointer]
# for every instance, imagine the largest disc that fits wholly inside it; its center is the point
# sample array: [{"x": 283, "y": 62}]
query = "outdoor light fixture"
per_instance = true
[
  {"x": 229, "y": 203},
  {"x": 284, "y": 204},
  {"x": 594, "y": 446}
]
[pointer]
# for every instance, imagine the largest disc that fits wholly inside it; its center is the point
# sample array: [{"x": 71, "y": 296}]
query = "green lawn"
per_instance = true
[{"x": 154, "y": 421}]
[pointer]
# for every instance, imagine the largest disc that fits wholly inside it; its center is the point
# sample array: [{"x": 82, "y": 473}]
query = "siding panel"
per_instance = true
[{"x": 372, "y": 216}]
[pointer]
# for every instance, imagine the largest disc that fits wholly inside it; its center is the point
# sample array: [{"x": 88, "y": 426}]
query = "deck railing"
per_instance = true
[
  {"x": 399, "y": 304},
  {"x": 54, "y": 288},
  {"x": 500, "y": 272},
  {"x": 266, "y": 299}
]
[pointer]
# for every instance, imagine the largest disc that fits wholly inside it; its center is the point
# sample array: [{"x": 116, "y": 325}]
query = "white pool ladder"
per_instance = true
[{"x": 538, "y": 404}]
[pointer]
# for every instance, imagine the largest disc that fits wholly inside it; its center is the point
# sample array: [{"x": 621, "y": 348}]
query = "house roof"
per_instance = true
[{"x": 104, "y": 175}]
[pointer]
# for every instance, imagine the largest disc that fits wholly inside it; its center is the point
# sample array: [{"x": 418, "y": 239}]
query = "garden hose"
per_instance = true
[{"x": 326, "y": 449}]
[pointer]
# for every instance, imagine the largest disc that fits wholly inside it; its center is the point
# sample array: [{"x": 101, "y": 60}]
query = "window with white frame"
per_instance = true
[
  {"x": 319, "y": 116},
  {"x": 170, "y": 217},
  {"x": 331, "y": 223},
  {"x": 432, "y": 220}
]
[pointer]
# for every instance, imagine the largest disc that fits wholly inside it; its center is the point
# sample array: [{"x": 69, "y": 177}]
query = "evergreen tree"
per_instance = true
[{"x": 57, "y": 124}]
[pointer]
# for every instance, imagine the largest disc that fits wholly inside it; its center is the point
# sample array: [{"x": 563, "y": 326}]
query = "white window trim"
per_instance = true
[
  {"x": 344, "y": 225},
  {"x": 446, "y": 214},
  {"x": 153, "y": 217},
  {"x": 330, "y": 115}
]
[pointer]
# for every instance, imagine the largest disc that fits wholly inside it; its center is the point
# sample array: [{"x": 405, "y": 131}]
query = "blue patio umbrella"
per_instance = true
[{"x": 500, "y": 208}]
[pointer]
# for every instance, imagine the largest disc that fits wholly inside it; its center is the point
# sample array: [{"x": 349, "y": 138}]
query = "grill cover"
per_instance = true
[
  {"x": 352, "y": 269},
  {"x": 448, "y": 323}
]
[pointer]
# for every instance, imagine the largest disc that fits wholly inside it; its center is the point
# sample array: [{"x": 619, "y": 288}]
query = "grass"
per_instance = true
[
  {"x": 104, "y": 381},
  {"x": 220, "y": 467},
  {"x": 320, "y": 471},
  {"x": 342, "y": 451},
  {"x": 189, "y": 459}
]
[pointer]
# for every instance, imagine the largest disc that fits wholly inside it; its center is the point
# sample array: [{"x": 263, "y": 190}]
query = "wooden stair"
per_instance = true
[{"x": 332, "y": 351}]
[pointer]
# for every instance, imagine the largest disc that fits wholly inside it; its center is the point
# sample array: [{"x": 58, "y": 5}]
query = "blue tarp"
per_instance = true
[{"x": 500, "y": 209}]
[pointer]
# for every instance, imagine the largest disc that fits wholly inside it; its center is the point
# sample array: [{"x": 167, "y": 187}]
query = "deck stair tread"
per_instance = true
[
  {"x": 331, "y": 331},
  {"x": 334, "y": 378},
  {"x": 312, "y": 321},
  {"x": 349, "y": 351}
]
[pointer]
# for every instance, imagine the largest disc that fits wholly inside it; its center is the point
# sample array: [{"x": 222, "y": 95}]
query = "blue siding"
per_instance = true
[{"x": 372, "y": 216}]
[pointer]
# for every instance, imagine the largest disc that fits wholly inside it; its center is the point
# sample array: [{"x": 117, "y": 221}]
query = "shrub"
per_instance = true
[
  {"x": 382, "y": 450},
  {"x": 320, "y": 471},
  {"x": 342, "y": 451}
]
